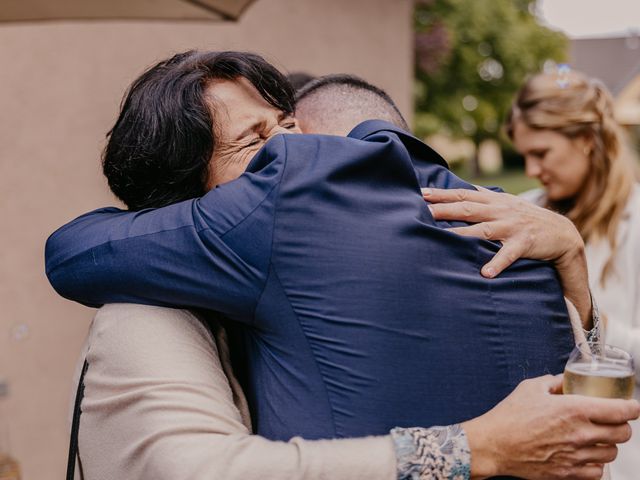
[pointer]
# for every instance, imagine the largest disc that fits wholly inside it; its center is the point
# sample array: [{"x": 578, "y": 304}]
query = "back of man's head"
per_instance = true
[
  {"x": 334, "y": 104},
  {"x": 299, "y": 79}
]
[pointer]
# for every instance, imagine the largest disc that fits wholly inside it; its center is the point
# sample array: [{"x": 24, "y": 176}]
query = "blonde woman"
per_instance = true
[{"x": 563, "y": 124}]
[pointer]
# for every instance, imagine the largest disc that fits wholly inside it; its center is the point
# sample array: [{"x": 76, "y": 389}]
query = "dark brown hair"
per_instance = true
[{"x": 159, "y": 149}]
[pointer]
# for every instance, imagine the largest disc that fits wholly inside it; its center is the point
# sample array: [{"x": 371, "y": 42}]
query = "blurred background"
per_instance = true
[
  {"x": 451, "y": 65},
  {"x": 472, "y": 56}
]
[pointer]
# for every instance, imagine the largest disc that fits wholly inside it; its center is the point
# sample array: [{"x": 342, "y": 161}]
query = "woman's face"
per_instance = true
[
  {"x": 560, "y": 163},
  {"x": 245, "y": 121}
]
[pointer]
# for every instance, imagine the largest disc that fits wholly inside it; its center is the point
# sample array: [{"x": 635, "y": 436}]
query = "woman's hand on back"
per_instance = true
[{"x": 525, "y": 230}]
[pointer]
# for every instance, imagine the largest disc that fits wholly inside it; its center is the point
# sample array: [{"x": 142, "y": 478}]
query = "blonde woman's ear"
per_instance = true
[{"x": 584, "y": 144}]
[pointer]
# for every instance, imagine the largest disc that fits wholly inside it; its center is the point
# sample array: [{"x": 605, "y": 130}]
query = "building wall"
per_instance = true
[
  {"x": 627, "y": 103},
  {"x": 61, "y": 85}
]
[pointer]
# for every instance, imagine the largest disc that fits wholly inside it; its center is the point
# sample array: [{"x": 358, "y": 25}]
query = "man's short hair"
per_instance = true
[
  {"x": 299, "y": 79},
  {"x": 341, "y": 95}
]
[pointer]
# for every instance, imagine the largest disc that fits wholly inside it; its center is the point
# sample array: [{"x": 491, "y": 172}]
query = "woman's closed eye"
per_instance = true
[
  {"x": 262, "y": 136},
  {"x": 541, "y": 153}
]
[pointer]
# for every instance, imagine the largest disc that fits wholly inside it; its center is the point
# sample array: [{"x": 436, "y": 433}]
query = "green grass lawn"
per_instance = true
[{"x": 512, "y": 181}]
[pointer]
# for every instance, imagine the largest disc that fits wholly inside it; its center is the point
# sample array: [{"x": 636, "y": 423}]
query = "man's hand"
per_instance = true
[
  {"x": 537, "y": 435},
  {"x": 525, "y": 230}
]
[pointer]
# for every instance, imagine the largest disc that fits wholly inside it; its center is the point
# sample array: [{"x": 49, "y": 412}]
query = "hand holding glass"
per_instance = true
[{"x": 599, "y": 370}]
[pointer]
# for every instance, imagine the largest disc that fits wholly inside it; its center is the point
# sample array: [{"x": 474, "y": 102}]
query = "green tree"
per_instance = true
[{"x": 471, "y": 57}]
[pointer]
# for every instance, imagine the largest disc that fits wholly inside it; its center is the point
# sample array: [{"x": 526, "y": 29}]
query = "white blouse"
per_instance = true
[{"x": 619, "y": 301}]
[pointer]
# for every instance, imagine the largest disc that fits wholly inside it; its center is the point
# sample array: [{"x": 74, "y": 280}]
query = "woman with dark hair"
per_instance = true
[
  {"x": 160, "y": 399},
  {"x": 161, "y": 147}
]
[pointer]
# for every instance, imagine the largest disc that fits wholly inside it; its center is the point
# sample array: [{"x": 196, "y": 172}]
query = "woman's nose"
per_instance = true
[{"x": 532, "y": 168}]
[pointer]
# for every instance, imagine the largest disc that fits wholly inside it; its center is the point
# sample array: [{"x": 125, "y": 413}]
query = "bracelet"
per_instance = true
[
  {"x": 595, "y": 334},
  {"x": 436, "y": 453}
]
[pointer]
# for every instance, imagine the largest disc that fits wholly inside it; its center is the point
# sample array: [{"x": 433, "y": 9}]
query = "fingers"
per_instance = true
[
  {"x": 511, "y": 250},
  {"x": 484, "y": 230},
  {"x": 509, "y": 253},
  {"x": 586, "y": 472},
  {"x": 608, "y": 434},
  {"x": 597, "y": 454},
  {"x": 466, "y": 211},
  {"x": 608, "y": 411},
  {"x": 441, "y": 195}
]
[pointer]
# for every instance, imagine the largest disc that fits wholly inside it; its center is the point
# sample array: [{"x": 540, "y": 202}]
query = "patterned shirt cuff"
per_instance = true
[
  {"x": 595, "y": 334},
  {"x": 436, "y": 453}
]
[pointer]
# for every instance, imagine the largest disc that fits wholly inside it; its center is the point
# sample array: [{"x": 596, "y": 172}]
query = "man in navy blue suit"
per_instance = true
[{"x": 360, "y": 311}]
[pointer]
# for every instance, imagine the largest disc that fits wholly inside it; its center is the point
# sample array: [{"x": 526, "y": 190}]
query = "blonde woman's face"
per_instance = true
[{"x": 561, "y": 164}]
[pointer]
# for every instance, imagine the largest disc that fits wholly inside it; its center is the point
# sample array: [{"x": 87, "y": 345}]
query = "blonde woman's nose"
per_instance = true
[{"x": 532, "y": 168}]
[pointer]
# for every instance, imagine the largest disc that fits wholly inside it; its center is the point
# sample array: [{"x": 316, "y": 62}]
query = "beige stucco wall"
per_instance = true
[{"x": 60, "y": 86}]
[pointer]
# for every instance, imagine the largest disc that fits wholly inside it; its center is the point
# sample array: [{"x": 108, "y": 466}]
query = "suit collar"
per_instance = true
[
  {"x": 414, "y": 145},
  {"x": 369, "y": 127}
]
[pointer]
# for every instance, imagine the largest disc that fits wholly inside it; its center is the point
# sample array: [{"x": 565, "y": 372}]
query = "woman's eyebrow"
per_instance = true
[
  {"x": 250, "y": 129},
  {"x": 538, "y": 150}
]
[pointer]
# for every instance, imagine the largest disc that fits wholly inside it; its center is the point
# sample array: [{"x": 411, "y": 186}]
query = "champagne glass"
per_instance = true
[{"x": 598, "y": 370}]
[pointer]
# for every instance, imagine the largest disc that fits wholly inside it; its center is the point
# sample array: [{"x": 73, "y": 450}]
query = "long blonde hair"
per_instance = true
[{"x": 570, "y": 103}]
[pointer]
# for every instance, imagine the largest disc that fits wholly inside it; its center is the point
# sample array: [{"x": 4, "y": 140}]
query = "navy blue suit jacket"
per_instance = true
[{"x": 361, "y": 312}]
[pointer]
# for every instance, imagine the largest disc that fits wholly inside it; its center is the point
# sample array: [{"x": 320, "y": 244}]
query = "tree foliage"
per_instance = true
[{"x": 471, "y": 57}]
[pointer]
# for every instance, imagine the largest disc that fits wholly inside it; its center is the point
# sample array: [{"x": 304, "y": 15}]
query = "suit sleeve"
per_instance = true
[{"x": 190, "y": 254}]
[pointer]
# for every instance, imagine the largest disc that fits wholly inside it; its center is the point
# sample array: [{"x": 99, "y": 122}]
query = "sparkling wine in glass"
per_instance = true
[{"x": 598, "y": 370}]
